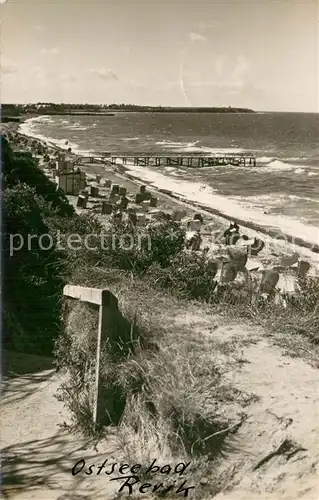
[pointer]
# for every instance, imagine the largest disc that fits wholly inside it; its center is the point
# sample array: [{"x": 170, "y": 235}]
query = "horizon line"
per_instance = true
[{"x": 151, "y": 106}]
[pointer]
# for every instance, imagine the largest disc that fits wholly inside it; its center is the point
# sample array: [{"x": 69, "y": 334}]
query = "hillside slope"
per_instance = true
[{"x": 282, "y": 404}]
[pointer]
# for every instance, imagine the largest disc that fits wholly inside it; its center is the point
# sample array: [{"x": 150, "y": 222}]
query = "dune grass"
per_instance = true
[{"x": 166, "y": 396}]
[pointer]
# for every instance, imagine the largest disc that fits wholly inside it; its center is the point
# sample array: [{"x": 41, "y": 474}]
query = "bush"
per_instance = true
[
  {"x": 76, "y": 352},
  {"x": 189, "y": 275},
  {"x": 32, "y": 279},
  {"x": 158, "y": 243},
  {"x": 25, "y": 170},
  {"x": 131, "y": 249}
]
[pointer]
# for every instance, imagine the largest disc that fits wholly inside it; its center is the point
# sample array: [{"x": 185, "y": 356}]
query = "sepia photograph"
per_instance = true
[{"x": 160, "y": 249}]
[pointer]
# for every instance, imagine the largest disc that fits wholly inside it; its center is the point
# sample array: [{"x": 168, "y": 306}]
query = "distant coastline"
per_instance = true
[{"x": 107, "y": 110}]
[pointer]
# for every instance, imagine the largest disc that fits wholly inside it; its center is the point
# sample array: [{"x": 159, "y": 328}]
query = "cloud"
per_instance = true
[
  {"x": 227, "y": 93},
  {"x": 105, "y": 74},
  {"x": 232, "y": 88},
  {"x": 202, "y": 25},
  {"x": 67, "y": 78},
  {"x": 227, "y": 85},
  {"x": 38, "y": 72},
  {"x": 242, "y": 66},
  {"x": 50, "y": 52},
  {"x": 136, "y": 85},
  {"x": 170, "y": 85},
  {"x": 196, "y": 37},
  {"x": 219, "y": 64},
  {"x": 8, "y": 67},
  {"x": 38, "y": 77}
]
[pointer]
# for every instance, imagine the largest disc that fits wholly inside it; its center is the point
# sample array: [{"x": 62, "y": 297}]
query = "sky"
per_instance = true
[{"x": 260, "y": 54}]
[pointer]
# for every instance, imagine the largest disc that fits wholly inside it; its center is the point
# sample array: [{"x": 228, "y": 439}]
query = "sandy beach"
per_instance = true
[{"x": 276, "y": 247}]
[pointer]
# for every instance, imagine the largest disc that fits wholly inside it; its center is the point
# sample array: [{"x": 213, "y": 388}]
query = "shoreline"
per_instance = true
[
  {"x": 283, "y": 246},
  {"x": 244, "y": 223}
]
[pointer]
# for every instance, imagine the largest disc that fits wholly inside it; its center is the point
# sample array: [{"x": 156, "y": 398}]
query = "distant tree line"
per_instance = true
[{"x": 53, "y": 108}]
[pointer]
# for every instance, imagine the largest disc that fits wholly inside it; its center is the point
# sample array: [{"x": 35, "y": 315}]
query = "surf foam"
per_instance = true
[
  {"x": 27, "y": 128},
  {"x": 201, "y": 193}
]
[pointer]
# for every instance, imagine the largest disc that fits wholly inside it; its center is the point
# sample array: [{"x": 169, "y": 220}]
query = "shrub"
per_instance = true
[
  {"x": 76, "y": 352},
  {"x": 128, "y": 248},
  {"x": 32, "y": 279},
  {"x": 190, "y": 275},
  {"x": 25, "y": 170}
]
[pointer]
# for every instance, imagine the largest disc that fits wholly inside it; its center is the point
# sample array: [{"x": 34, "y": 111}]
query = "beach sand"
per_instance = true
[{"x": 214, "y": 222}]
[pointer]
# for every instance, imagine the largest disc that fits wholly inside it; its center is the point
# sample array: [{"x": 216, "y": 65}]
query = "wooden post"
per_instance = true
[
  {"x": 100, "y": 331},
  {"x": 106, "y": 302}
]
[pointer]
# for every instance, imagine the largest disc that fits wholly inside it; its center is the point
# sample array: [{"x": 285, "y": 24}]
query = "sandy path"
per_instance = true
[
  {"x": 285, "y": 406},
  {"x": 38, "y": 455},
  {"x": 288, "y": 395}
]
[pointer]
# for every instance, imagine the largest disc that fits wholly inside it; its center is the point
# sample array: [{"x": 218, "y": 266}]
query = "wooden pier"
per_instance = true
[{"x": 193, "y": 160}]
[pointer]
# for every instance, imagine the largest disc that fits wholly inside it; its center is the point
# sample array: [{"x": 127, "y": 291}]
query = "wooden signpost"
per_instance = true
[{"x": 104, "y": 299}]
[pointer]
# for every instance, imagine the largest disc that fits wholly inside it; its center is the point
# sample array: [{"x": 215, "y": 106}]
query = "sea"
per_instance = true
[{"x": 281, "y": 192}]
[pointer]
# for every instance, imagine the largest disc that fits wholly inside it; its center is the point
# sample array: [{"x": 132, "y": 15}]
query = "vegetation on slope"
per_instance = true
[
  {"x": 162, "y": 386},
  {"x": 33, "y": 276}
]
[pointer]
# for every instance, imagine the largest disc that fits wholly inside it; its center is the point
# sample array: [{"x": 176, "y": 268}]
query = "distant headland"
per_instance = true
[{"x": 14, "y": 110}]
